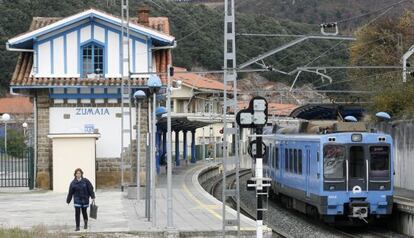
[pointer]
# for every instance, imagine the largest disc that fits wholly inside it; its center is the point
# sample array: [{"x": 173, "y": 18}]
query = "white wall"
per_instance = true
[
  {"x": 102, "y": 118},
  {"x": 72, "y": 53},
  {"x": 73, "y": 44},
  {"x": 44, "y": 63},
  {"x": 58, "y": 55}
]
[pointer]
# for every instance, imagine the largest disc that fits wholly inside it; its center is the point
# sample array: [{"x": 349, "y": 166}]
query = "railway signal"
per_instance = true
[{"x": 255, "y": 116}]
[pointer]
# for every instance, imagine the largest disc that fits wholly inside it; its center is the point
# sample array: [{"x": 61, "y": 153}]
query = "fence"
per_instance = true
[{"x": 17, "y": 171}]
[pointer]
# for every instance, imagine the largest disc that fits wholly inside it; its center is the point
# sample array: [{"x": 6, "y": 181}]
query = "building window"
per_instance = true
[{"x": 92, "y": 60}]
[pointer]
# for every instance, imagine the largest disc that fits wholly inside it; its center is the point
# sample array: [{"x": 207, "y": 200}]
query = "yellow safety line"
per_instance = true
[{"x": 207, "y": 207}]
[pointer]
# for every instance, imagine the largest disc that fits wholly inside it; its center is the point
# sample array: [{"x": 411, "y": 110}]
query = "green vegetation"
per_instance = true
[
  {"x": 198, "y": 29},
  {"x": 35, "y": 232},
  {"x": 15, "y": 143},
  {"x": 384, "y": 43}
]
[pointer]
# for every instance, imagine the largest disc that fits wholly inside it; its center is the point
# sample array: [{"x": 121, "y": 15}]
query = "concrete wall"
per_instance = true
[{"x": 402, "y": 133}]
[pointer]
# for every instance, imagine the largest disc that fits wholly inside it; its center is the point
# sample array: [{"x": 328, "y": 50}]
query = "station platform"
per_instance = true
[
  {"x": 401, "y": 193},
  {"x": 195, "y": 212},
  {"x": 194, "y": 209}
]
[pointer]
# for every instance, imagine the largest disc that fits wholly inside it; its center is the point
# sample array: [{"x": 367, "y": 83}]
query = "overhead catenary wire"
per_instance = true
[{"x": 371, "y": 12}]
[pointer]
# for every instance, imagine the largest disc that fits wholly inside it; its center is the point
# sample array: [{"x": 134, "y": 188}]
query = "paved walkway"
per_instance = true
[{"x": 194, "y": 208}]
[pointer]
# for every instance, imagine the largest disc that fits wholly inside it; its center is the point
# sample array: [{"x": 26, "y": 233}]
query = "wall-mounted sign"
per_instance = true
[
  {"x": 93, "y": 111},
  {"x": 89, "y": 128}
]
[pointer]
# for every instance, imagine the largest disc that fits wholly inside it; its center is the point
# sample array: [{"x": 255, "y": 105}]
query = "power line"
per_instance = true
[
  {"x": 371, "y": 12},
  {"x": 348, "y": 80}
]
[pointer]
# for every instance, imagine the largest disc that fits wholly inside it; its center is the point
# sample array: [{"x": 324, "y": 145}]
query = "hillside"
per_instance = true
[
  {"x": 198, "y": 30},
  {"x": 319, "y": 11}
]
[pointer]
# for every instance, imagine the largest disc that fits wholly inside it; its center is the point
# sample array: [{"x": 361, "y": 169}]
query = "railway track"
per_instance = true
[
  {"x": 299, "y": 225},
  {"x": 216, "y": 191}
]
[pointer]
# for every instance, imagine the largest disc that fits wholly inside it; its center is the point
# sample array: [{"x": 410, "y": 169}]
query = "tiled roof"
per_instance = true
[
  {"x": 277, "y": 109},
  {"x": 197, "y": 81},
  {"x": 16, "y": 105},
  {"x": 21, "y": 75}
]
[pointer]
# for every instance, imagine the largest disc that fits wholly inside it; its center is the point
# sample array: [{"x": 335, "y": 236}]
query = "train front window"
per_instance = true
[
  {"x": 380, "y": 161},
  {"x": 333, "y": 161},
  {"x": 356, "y": 162}
]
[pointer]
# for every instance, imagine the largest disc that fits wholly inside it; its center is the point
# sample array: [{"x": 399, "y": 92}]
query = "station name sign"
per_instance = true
[{"x": 94, "y": 111}]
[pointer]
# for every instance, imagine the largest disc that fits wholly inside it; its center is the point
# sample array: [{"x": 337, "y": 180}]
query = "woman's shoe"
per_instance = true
[
  {"x": 77, "y": 228},
  {"x": 86, "y": 225}
]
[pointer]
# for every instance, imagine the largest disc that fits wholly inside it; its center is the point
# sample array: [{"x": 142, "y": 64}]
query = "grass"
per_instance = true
[
  {"x": 36, "y": 232},
  {"x": 40, "y": 231}
]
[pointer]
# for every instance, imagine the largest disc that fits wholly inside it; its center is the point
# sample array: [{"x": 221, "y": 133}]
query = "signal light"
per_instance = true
[{"x": 171, "y": 71}]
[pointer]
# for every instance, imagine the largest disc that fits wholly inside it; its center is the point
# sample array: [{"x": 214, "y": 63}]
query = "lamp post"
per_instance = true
[
  {"x": 5, "y": 117},
  {"x": 139, "y": 97},
  {"x": 154, "y": 85}
]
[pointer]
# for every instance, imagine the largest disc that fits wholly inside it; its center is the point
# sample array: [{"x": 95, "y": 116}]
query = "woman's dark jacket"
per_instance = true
[{"x": 81, "y": 191}]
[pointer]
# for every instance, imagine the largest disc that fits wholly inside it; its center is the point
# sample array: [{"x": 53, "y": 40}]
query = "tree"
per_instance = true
[
  {"x": 383, "y": 43},
  {"x": 15, "y": 142}
]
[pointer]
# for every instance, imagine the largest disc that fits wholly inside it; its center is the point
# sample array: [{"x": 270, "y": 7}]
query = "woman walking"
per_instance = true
[{"x": 81, "y": 189}]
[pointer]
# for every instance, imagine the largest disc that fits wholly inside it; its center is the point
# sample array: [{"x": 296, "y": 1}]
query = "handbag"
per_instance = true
[{"x": 94, "y": 211}]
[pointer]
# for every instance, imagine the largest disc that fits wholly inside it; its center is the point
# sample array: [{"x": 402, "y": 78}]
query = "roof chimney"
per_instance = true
[{"x": 143, "y": 15}]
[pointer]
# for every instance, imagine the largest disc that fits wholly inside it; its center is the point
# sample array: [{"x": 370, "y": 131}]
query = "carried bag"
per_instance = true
[{"x": 94, "y": 211}]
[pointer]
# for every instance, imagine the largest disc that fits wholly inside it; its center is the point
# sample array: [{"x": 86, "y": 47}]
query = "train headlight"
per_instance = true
[{"x": 356, "y": 137}]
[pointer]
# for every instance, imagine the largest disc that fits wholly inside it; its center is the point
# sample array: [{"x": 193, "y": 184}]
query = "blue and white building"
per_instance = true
[{"x": 72, "y": 68}]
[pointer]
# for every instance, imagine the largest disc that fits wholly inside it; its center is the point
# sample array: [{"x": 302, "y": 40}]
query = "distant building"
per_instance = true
[
  {"x": 20, "y": 110},
  {"x": 72, "y": 69}
]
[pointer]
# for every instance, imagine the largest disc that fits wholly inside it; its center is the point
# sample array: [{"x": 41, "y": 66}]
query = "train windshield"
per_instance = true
[
  {"x": 333, "y": 161},
  {"x": 380, "y": 161}
]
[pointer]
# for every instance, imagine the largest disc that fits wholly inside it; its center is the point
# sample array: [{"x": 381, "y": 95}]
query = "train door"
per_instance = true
[
  {"x": 356, "y": 169},
  {"x": 307, "y": 169},
  {"x": 281, "y": 160}
]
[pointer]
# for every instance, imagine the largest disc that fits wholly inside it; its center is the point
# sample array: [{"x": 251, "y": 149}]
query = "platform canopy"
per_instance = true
[
  {"x": 186, "y": 121},
  {"x": 328, "y": 111}
]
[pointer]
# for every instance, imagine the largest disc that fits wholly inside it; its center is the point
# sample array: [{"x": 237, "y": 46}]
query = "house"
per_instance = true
[
  {"x": 20, "y": 109},
  {"x": 72, "y": 69}
]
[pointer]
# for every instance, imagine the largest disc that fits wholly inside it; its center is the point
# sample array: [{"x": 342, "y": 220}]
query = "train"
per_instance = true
[{"x": 338, "y": 171}]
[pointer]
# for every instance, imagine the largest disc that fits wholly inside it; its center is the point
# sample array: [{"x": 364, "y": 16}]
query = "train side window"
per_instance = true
[
  {"x": 300, "y": 161},
  {"x": 291, "y": 160},
  {"x": 277, "y": 157},
  {"x": 295, "y": 161},
  {"x": 286, "y": 160}
]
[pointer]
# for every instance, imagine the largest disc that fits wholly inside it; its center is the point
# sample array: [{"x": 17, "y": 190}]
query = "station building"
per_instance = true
[{"x": 71, "y": 68}]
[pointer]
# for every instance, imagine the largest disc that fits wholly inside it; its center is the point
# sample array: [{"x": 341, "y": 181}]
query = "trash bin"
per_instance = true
[{"x": 132, "y": 191}]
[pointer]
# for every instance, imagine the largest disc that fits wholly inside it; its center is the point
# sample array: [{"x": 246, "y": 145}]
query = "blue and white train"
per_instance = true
[{"x": 339, "y": 173}]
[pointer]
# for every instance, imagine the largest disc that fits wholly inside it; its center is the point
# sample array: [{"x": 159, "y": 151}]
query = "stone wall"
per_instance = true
[{"x": 44, "y": 157}]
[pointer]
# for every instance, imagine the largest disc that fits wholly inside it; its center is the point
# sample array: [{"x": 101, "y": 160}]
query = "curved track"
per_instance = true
[{"x": 289, "y": 223}]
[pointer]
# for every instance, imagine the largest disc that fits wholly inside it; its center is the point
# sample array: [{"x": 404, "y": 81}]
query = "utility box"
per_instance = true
[{"x": 72, "y": 151}]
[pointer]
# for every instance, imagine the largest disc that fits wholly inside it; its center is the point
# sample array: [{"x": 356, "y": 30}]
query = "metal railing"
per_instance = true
[{"x": 17, "y": 171}]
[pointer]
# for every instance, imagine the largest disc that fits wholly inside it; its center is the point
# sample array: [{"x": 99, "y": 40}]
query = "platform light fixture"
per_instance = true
[{"x": 139, "y": 97}]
